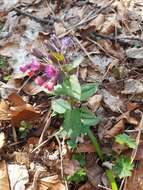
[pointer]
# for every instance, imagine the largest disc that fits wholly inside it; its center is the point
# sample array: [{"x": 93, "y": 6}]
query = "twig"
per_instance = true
[
  {"x": 24, "y": 84},
  {"x": 94, "y": 35},
  {"x": 61, "y": 157},
  {"x": 45, "y": 127},
  {"x": 82, "y": 47},
  {"x": 14, "y": 135},
  {"x": 44, "y": 142},
  {"x": 106, "y": 188},
  {"x": 137, "y": 139},
  {"x": 35, "y": 180},
  {"x": 37, "y": 19}
]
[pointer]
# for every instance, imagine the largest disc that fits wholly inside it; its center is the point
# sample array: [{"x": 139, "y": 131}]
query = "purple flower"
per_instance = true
[
  {"x": 66, "y": 42},
  {"x": 50, "y": 71}
]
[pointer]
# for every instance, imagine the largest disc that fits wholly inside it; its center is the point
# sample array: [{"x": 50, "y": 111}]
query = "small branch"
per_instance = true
[
  {"x": 36, "y": 19},
  {"x": 94, "y": 36},
  {"x": 61, "y": 157}
]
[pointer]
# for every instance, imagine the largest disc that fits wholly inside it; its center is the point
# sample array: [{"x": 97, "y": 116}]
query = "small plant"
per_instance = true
[
  {"x": 123, "y": 167},
  {"x": 125, "y": 139},
  {"x": 80, "y": 157},
  {"x": 78, "y": 176},
  {"x": 24, "y": 129}
]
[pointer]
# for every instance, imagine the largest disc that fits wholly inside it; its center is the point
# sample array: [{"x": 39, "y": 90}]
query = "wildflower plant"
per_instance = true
[{"x": 57, "y": 72}]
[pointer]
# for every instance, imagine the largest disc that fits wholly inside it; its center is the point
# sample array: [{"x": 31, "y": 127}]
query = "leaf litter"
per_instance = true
[{"x": 73, "y": 76}]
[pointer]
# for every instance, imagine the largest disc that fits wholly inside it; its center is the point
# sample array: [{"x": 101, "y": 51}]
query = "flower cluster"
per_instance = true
[
  {"x": 46, "y": 75},
  {"x": 64, "y": 46}
]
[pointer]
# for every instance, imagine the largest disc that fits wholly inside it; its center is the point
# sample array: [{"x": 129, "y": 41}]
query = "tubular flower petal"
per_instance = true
[
  {"x": 50, "y": 71},
  {"x": 49, "y": 85},
  {"x": 35, "y": 65},
  {"x": 24, "y": 68},
  {"x": 39, "y": 80}
]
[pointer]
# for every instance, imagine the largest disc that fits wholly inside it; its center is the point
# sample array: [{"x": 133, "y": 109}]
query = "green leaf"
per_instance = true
[
  {"x": 78, "y": 176},
  {"x": 80, "y": 157},
  {"x": 125, "y": 139},
  {"x": 88, "y": 118},
  {"x": 75, "y": 87},
  {"x": 87, "y": 90},
  {"x": 60, "y": 106},
  {"x": 24, "y": 129},
  {"x": 77, "y": 122},
  {"x": 71, "y": 66},
  {"x": 123, "y": 167},
  {"x": 69, "y": 87},
  {"x": 72, "y": 124}
]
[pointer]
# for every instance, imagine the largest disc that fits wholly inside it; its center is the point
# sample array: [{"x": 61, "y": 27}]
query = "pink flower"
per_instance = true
[
  {"x": 49, "y": 85},
  {"x": 39, "y": 80},
  {"x": 24, "y": 68},
  {"x": 35, "y": 65}
]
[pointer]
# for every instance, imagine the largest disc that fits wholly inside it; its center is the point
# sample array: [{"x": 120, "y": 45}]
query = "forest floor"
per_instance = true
[{"x": 71, "y": 87}]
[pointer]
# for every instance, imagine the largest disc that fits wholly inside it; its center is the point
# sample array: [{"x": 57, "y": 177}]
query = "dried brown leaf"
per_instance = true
[
  {"x": 59, "y": 28},
  {"x": 133, "y": 86},
  {"x": 94, "y": 102},
  {"x": 132, "y": 106},
  {"x": 112, "y": 102},
  {"x": 86, "y": 186},
  {"x": 94, "y": 174},
  {"x": 32, "y": 89},
  {"x": 4, "y": 179},
  {"x": 116, "y": 129},
  {"x": 84, "y": 147},
  {"x": 135, "y": 182},
  {"x": 4, "y": 111},
  {"x": 98, "y": 21},
  {"x": 70, "y": 166},
  {"x": 51, "y": 182},
  {"x": 17, "y": 110}
]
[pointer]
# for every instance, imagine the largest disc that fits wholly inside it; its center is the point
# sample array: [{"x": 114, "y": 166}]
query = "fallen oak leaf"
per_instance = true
[
  {"x": 21, "y": 112},
  {"x": 17, "y": 113},
  {"x": 16, "y": 99}
]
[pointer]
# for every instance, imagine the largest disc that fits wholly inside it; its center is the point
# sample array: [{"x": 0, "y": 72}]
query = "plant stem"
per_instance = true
[
  {"x": 95, "y": 144},
  {"x": 109, "y": 172},
  {"x": 111, "y": 179}
]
